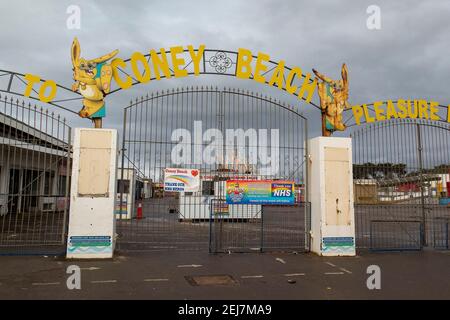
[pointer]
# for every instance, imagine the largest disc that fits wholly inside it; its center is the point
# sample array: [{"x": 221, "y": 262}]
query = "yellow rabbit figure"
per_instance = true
[{"x": 93, "y": 81}]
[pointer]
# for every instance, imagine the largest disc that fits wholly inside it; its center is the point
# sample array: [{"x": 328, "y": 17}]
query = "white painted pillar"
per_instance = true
[
  {"x": 93, "y": 194},
  {"x": 331, "y": 196}
]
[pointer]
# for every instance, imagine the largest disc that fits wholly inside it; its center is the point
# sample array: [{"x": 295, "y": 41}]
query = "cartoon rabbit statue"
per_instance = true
[{"x": 93, "y": 82}]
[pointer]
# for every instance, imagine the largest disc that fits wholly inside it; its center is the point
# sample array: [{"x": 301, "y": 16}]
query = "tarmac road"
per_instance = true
[{"x": 162, "y": 275}]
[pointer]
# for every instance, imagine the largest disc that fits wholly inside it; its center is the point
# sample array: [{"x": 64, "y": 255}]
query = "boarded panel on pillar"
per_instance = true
[
  {"x": 337, "y": 187},
  {"x": 95, "y": 158}
]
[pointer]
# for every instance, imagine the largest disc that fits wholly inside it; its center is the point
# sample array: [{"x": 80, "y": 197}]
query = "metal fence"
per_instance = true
[
  {"x": 34, "y": 179},
  {"x": 401, "y": 185},
  {"x": 223, "y": 134}
]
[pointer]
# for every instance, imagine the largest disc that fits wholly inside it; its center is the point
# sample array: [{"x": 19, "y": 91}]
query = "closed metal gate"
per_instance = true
[
  {"x": 35, "y": 155},
  {"x": 401, "y": 185},
  {"x": 218, "y": 135}
]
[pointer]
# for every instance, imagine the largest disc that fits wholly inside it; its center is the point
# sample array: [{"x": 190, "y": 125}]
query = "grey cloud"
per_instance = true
[{"x": 406, "y": 58}]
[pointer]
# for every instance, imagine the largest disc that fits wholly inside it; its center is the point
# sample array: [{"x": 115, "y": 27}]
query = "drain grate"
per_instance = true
[{"x": 208, "y": 280}]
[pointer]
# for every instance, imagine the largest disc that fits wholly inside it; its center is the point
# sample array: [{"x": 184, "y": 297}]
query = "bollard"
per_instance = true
[{"x": 139, "y": 210}]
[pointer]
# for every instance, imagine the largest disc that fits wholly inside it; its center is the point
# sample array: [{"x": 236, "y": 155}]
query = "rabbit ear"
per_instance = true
[
  {"x": 106, "y": 57},
  {"x": 344, "y": 73},
  {"x": 75, "y": 52}
]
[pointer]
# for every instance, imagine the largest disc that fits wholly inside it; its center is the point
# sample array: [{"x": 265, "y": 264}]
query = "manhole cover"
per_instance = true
[{"x": 211, "y": 280}]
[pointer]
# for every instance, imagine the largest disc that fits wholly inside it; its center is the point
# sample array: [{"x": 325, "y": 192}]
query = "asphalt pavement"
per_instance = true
[{"x": 199, "y": 275}]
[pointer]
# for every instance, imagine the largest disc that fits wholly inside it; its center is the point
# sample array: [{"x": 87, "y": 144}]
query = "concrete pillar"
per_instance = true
[
  {"x": 93, "y": 194},
  {"x": 331, "y": 196}
]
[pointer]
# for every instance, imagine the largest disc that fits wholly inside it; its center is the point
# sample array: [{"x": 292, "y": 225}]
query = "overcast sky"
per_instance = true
[{"x": 407, "y": 58}]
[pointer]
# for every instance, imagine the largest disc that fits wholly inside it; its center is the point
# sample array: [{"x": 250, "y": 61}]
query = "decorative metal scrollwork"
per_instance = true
[{"x": 221, "y": 62}]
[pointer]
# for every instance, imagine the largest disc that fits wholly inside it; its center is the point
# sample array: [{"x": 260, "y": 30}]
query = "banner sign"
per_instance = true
[
  {"x": 181, "y": 180},
  {"x": 260, "y": 192},
  {"x": 220, "y": 207}
]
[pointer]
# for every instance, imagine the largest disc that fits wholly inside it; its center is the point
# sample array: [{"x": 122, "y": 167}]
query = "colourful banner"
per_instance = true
[
  {"x": 260, "y": 192},
  {"x": 181, "y": 180}
]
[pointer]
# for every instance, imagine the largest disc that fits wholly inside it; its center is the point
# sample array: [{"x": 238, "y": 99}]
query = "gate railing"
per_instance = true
[
  {"x": 35, "y": 154},
  {"x": 401, "y": 174},
  {"x": 182, "y": 220}
]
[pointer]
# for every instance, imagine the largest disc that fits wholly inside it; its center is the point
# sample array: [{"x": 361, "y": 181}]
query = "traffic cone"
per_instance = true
[{"x": 139, "y": 210}]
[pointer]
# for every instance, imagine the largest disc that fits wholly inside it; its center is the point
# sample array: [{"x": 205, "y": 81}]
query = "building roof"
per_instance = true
[{"x": 18, "y": 134}]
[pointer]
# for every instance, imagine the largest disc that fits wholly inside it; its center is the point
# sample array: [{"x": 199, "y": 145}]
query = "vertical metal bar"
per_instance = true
[
  {"x": 67, "y": 187},
  {"x": 307, "y": 215},
  {"x": 261, "y": 248},
  {"x": 422, "y": 202},
  {"x": 121, "y": 184}
]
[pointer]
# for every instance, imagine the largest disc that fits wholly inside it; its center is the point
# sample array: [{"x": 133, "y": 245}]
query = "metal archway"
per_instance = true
[
  {"x": 215, "y": 62},
  {"x": 14, "y": 83}
]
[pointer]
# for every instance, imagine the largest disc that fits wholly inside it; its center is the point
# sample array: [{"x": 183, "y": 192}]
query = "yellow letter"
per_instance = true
[
  {"x": 401, "y": 105},
  {"x": 290, "y": 78},
  {"x": 309, "y": 87},
  {"x": 434, "y": 110},
  {"x": 391, "y": 112},
  {"x": 177, "y": 62},
  {"x": 160, "y": 63},
  {"x": 357, "y": 114},
  {"x": 51, "y": 84},
  {"x": 260, "y": 67},
  {"x": 244, "y": 63},
  {"x": 416, "y": 109},
  {"x": 278, "y": 75},
  {"x": 196, "y": 58},
  {"x": 32, "y": 79},
  {"x": 378, "y": 111},
  {"x": 139, "y": 57},
  {"x": 369, "y": 119},
  {"x": 117, "y": 62},
  {"x": 448, "y": 113},
  {"x": 423, "y": 106}
]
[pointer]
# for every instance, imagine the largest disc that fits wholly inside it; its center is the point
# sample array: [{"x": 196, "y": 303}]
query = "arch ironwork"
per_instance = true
[{"x": 214, "y": 62}]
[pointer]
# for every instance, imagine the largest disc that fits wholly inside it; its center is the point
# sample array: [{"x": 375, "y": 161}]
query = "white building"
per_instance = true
[{"x": 33, "y": 169}]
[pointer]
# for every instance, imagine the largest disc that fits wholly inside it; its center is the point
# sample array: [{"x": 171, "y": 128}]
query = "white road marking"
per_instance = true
[
  {"x": 293, "y": 274},
  {"x": 91, "y": 268},
  {"x": 333, "y": 273},
  {"x": 190, "y": 266},
  {"x": 155, "y": 280},
  {"x": 330, "y": 264},
  {"x": 251, "y": 277},
  {"x": 104, "y": 281},
  {"x": 45, "y": 283},
  {"x": 345, "y": 270},
  {"x": 281, "y": 260}
]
